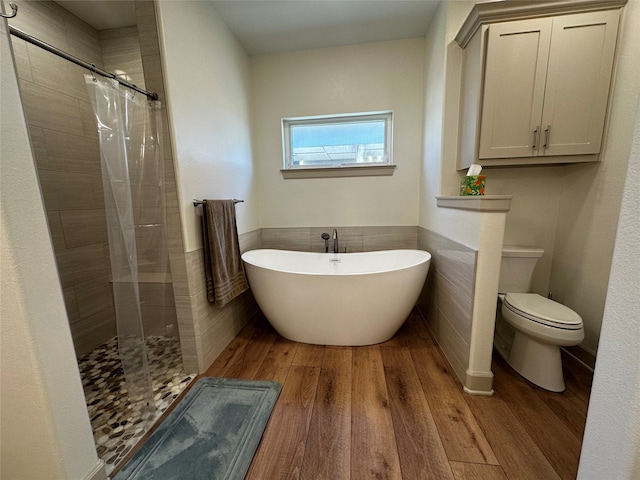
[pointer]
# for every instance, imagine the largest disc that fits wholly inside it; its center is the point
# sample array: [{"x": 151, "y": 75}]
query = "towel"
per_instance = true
[{"x": 222, "y": 263}]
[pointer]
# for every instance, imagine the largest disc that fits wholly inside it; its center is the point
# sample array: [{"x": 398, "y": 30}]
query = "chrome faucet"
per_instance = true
[{"x": 335, "y": 241}]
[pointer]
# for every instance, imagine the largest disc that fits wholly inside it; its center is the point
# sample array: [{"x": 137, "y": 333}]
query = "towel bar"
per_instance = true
[{"x": 200, "y": 202}]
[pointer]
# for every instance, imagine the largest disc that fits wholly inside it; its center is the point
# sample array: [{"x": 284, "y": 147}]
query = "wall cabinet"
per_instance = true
[{"x": 536, "y": 90}]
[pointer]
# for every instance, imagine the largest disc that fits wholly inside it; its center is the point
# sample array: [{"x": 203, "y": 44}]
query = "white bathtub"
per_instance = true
[{"x": 336, "y": 299}]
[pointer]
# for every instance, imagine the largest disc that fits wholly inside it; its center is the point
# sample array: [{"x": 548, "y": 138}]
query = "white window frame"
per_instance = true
[{"x": 385, "y": 167}]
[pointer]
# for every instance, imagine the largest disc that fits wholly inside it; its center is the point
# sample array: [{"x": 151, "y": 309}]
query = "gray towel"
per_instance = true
[{"x": 222, "y": 263}]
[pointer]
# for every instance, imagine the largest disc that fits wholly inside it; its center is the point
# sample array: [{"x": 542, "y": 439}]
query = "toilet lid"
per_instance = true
[{"x": 543, "y": 310}]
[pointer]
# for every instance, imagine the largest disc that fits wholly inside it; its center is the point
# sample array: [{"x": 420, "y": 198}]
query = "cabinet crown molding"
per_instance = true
[{"x": 492, "y": 12}]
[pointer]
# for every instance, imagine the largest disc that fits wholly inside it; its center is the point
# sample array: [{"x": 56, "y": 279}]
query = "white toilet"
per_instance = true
[{"x": 530, "y": 329}]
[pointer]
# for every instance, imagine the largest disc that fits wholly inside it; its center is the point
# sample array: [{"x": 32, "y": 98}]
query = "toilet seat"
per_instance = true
[{"x": 541, "y": 310}]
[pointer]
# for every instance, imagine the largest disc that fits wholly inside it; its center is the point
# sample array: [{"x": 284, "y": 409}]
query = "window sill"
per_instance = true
[{"x": 330, "y": 172}]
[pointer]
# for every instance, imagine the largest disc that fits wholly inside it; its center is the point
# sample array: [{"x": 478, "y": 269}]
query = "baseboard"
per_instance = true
[
  {"x": 585, "y": 357},
  {"x": 478, "y": 392},
  {"x": 478, "y": 383},
  {"x": 98, "y": 472}
]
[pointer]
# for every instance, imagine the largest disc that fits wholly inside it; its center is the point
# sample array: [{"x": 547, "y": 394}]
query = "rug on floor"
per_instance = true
[{"x": 212, "y": 433}]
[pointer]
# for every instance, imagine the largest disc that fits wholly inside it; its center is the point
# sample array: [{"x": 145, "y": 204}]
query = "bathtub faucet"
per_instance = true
[{"x": 335, "y": 241}]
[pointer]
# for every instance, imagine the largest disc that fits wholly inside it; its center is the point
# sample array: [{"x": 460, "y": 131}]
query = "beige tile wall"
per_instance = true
[
  {"x": 447, "y": 299},
  {"x": 214, "y": 327},
  {"x": 121, "y": 54},
  {"x": 186, "y": 310},
  {"x": 66, "y": 149},
  {"x": 354, "y": 239}
]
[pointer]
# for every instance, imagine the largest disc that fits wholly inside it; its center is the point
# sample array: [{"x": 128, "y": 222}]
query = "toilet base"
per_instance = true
[{"x": 540, "y": 363}]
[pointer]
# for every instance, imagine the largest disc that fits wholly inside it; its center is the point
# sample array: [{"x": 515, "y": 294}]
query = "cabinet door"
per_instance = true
[
  {"x": 515, "y": 69},
  {"x": 578, "y": 79}
]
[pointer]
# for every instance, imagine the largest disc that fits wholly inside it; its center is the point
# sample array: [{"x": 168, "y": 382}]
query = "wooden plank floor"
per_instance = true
[{"x": 397, "y": 411}]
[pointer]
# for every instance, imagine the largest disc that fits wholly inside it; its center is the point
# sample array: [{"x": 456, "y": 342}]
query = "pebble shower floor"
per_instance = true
[{"x": 116, "y": 426}]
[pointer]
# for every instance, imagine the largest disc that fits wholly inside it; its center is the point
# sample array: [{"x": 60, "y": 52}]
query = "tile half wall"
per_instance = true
[
  {"x": 206, "y": 330},
  {"x": 447, "y": 299},
  {"x": 353, "y": 239}
]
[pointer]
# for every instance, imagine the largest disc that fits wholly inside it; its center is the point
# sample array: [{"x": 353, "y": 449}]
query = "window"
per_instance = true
[{"x": 338, "y": 145}]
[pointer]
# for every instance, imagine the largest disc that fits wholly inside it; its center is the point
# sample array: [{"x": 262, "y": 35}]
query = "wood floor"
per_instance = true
[{"x": 397, "y": 411}]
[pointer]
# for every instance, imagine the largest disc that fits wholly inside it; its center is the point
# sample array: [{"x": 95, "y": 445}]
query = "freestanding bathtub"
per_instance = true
[{"x": 336, "y": 299}]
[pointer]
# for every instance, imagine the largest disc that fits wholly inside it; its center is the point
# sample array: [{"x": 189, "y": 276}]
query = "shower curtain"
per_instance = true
[{"x": 129, "y": 131}]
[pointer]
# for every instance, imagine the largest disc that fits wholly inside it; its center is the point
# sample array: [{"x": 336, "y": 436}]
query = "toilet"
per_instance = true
[{"x": 530, "y": 329}]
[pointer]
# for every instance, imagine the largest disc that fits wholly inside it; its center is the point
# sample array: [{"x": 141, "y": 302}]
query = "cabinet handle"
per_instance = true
[
  {"x": 536, "y": 134},
  {"x": 547, "y": 131}
]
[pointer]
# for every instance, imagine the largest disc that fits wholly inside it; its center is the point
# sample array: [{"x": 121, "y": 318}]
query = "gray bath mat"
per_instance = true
[{"x": 212, "y": 434}]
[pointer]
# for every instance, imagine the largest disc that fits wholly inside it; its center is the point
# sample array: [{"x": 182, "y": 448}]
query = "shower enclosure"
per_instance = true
[{"x": 102, "y": 180}]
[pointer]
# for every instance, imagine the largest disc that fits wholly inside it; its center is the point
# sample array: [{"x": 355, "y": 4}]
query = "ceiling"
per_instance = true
[
  {"x": 269, "y": 26},
  {"x": 102, "y": 14}
]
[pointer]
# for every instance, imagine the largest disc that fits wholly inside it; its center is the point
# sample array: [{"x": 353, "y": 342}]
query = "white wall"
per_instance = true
[
  {"x": 207, "y": 82},
  {"x": 533, "y": 218},
  {"x": 439, "y": 153},
  {"x": 45, "y": 425},
  {"x": 434, "y": 81},
  {"x": 611, "y": 446},
  {"x": 357, "y": 78}
]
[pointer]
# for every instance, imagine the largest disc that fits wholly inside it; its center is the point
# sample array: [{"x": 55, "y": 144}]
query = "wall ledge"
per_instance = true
[{"x": 480, "y": 203}]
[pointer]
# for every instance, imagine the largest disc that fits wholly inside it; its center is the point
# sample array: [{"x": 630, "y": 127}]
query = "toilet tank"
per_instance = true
[{"x": 516, "y": 268}]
